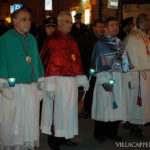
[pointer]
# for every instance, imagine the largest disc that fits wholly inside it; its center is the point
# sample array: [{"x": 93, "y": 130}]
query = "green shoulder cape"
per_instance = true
[{"x": 13, "y": 54}]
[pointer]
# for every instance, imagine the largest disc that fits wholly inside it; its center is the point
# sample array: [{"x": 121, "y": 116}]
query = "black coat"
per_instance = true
[
  {"x": 86, "y": 45},
  {"x": 78, "y": 32},
  {"x": 122, "y": 35}
]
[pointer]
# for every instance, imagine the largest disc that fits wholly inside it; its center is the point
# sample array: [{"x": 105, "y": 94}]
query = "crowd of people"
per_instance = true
[{"x": 40, "y": 77}]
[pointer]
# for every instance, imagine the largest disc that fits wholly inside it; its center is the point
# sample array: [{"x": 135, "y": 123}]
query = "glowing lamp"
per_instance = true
[
  {"x": 111, "y": 82},
  {"x": 8, "y": 19},
  {"x": 11, "y": 82},
  {"x": 92, "y": 72}
]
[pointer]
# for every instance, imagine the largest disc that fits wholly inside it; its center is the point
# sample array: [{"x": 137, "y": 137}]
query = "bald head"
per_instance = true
[
  {"x": 142, "y": 21},
  {"x": 64, "y": 21}
]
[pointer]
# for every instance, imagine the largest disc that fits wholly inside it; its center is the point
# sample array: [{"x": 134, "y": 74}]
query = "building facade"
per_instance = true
[{"x": 90, "y": 9}]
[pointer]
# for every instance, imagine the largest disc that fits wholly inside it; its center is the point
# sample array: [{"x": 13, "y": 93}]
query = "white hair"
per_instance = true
[{"x": 62, "y": 14}]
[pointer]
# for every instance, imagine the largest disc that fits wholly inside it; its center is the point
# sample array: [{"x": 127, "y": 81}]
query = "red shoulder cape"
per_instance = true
[{"x": 60, "y": 56}]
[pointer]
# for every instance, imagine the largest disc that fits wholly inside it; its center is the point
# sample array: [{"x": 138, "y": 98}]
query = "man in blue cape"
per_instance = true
[{"x": 111, "y": 92}]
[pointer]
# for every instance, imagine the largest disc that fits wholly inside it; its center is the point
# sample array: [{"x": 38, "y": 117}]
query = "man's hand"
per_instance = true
[
  {"x": 51, "y": 94},
  {"x": 41, "y": 95},
  {"x": 7, "y": 93},
  {"x": 107, "y": 87},
  {"x": 82, "y": 81}
]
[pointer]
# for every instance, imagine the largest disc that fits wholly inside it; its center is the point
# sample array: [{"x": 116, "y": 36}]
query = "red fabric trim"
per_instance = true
[{"x": 139, "y": 99}]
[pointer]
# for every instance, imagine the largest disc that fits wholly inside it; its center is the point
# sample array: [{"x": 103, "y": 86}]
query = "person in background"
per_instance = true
[
  {"x": 148, "y": 30},
  {"x": 63, "y": 75},
  {"x": 78, "y": 28},
  {"x": 138, "y": 47},
  {"x": 49, "y": 27},
  {"x": 86, "y": 45},
  {"x": 148, "y": 33},
  {"x": 21, "y": 73},
  {"x": 126, "y": 27}
]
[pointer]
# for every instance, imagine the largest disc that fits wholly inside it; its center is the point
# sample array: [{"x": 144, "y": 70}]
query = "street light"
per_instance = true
[{"x": 8, "y": 19}]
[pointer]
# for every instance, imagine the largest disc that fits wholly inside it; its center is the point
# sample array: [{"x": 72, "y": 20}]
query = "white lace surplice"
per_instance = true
[{"x": 19, "y": 119}]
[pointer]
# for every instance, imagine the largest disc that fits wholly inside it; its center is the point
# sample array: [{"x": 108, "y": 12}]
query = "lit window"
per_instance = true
[
  {"x": 8, "y": 19},
  {"x": 87, "y": 16},
  {"x": 11, "y": 9},
  {"x": 48, "y": 4},
  {"x": 113, "y": 4},
  {"x": 73, "y": 13}
]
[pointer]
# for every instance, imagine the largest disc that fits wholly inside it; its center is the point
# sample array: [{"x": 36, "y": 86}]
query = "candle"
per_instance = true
[
  {"x": 111, "y": 82},
  {"x": 92, "y": 72},
  {"x": 11, "y": 82}
]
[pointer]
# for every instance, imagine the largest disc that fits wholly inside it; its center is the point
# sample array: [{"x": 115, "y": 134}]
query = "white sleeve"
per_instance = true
[
  {"x": 82, "y": 81},
  {"x": 5, "y": 90},
  {"x": 49, "y": 84},
  {"x": 3, "y": 83},
  {"x": 103, "y": 77}
]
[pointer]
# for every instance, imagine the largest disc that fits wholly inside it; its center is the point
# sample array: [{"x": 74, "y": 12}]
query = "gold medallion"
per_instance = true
[
  {"x": 73, "y": 57},
  {"x": 28, "y": 59}
]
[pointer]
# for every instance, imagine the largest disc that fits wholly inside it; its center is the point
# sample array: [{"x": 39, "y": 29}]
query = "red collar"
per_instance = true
[{"x": 63, "y": 35}]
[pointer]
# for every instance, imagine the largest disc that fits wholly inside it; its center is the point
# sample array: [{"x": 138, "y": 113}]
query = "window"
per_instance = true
[
  {"x": 73, "y": 13},
  {"x": 87, "y": 14},
  {"x": 48, "y": 4},
  {"x": 113, "y": 4}
]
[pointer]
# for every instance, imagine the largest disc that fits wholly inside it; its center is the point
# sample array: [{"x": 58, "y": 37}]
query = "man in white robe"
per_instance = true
[
  {"x": 110, "y": 102},
  {"x": 19, "y": 105},
  {"x": 138, "y": 47},
  {"x": 63, "y": 76}
]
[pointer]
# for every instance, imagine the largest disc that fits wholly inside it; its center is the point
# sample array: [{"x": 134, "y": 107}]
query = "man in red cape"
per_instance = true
[{"x": 63, "y": 76}]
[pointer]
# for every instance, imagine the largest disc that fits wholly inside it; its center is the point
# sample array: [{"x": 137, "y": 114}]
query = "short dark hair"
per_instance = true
[
  {"x": 141, "y": 18},
  {"x": 97, "y": 21},
  {"x": 126, "y": 22},
  {"x": 22, "y": 9},
  {"x": 108, "y": 20}
]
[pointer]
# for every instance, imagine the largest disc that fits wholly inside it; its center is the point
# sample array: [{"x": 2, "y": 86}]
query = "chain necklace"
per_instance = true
[{"x": 28, "y": 58}]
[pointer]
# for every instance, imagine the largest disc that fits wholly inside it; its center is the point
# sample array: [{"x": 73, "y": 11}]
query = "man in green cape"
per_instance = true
[{"x": 19, "y": 105}]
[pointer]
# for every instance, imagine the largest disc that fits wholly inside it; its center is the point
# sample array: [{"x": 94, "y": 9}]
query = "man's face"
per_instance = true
[
  {"x": 49, "y": 30},
  {"x": 98, "y": 29},
  {"x": 66, "y": 24},
  {"x": 22, "y": 23},
  {"x": 113, "y": 28}
]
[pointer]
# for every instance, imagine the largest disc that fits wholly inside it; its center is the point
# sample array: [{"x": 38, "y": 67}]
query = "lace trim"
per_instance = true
[{"x": 27, "y": 146}]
